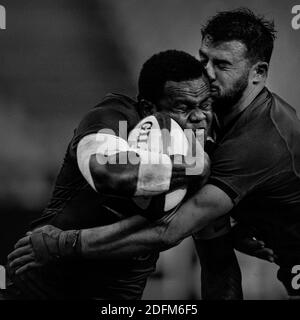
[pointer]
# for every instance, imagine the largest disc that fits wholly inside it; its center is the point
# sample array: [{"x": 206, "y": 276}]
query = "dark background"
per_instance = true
[{"x": 58, "y": 58}]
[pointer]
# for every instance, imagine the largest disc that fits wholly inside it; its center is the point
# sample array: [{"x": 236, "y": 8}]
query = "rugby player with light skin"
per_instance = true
[
  {"x": 89, "y": 193},
  {"x": 255, "y": 172}
]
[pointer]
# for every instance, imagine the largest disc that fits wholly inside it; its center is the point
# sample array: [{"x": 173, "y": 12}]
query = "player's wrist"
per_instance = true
[
  {"x": 69, "y": 243},
  {"x": 186, "y": 170}
]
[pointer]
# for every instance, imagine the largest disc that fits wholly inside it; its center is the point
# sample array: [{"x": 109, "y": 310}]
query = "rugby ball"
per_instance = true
[{"x": 159, "y": 133}]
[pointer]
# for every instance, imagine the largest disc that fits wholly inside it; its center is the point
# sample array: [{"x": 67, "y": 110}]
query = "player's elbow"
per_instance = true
[
  {"x": 112, "y": 179},
  {"x": 168, "y": 238}
]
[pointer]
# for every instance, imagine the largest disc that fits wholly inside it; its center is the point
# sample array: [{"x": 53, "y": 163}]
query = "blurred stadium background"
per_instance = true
[{"x": 58, "y": 59}]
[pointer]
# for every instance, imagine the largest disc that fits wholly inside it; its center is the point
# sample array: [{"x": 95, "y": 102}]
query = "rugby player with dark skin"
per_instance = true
[
  {"x": 255, "y": 174},
  {"x": 90, "y": 193},
  {"x": 237, "y": 81}
]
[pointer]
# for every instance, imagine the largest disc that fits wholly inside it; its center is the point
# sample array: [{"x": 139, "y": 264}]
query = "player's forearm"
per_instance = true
[
  {"x": 196, "y": 213},
  {"x": 127, "y": 174},
  {"x": 144, "y": 173},
  {"x": 120, "y": 240},
  {"x": 130, "y": 237},
  {"x": 192, "y": 216},
  {"x": 127, "y": 238},
  {"x": 220, "y": 271}
]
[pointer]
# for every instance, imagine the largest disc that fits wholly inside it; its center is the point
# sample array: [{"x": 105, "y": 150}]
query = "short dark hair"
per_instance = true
[
  {"x": 254, "y": 31},
  {"x": 170, "y": 65}
]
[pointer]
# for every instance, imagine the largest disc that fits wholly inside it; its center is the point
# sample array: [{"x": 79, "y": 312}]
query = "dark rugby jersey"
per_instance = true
[
  {"x": 257, "y": 164},
  {"x": 76, "y": 205}
]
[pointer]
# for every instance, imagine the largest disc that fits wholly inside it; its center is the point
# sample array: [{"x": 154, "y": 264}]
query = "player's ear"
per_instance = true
[
  {"x": 147, "y": 108},
  {"x": 259, "y": 72}
]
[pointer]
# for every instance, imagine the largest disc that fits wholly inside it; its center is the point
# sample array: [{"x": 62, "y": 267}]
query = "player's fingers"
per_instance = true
[
  {"x": 259, "y": 243},
  {"x": 19, "y": 252},
  {"x": 265, "y": 254},
  {"x": 23, "y": 242},
  {"x": 40, "y": 229},
  {"x": 254, "y": 244},
  {"x": 249, "y": 245},
  {"x": 18, "y": 262},
  {"x": 28, "y": 266}
]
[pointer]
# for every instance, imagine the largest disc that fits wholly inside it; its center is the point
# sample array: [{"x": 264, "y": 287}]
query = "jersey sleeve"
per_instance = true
[{"x": 243, "y": 163}]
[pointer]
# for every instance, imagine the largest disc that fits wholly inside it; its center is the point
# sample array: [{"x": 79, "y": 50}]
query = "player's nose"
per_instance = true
[
  {"x": 210, "y": 71},
  {"x": 197, "y": 116}
]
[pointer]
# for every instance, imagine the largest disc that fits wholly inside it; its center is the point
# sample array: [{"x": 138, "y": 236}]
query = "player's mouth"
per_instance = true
[
  {"x": 195, "y": 127},
  {"x": 214, "y": 90}
]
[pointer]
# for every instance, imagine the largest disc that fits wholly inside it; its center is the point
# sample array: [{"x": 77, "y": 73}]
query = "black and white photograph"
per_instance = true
[{"x": 150, "y": 151}]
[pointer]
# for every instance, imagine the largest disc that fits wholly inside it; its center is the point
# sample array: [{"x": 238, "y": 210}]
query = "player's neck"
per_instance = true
[{"x": 248, "y": 96}]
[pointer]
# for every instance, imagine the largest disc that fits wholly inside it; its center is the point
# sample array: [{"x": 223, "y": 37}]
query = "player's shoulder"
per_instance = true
[
  {"x": 110, "y": 110},
  {"x": 116, "y": 100},
  {"x": 116, "y": 104},
  {"x": 287, "y": 125},
  {"x": 283, "y": 112},
  {"x": 259, "y": 125},
  {"x": 271, "y": 106},
  {"x": 254, "y": 137}
]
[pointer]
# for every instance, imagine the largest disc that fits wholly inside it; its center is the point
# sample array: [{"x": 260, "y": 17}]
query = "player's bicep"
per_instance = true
[
  {"x": 215, "y": 229},
  {"x": 109, "y": 165}
]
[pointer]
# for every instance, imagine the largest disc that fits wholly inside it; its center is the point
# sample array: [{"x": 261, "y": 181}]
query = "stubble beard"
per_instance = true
[{"x": 226, "y": 101}]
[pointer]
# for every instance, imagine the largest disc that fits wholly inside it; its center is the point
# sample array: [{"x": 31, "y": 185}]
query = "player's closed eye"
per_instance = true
[
  {"x": 221, "y": 65},
  {"x": 206, "y": 106},
  {"x": 181, "y": 108}
]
